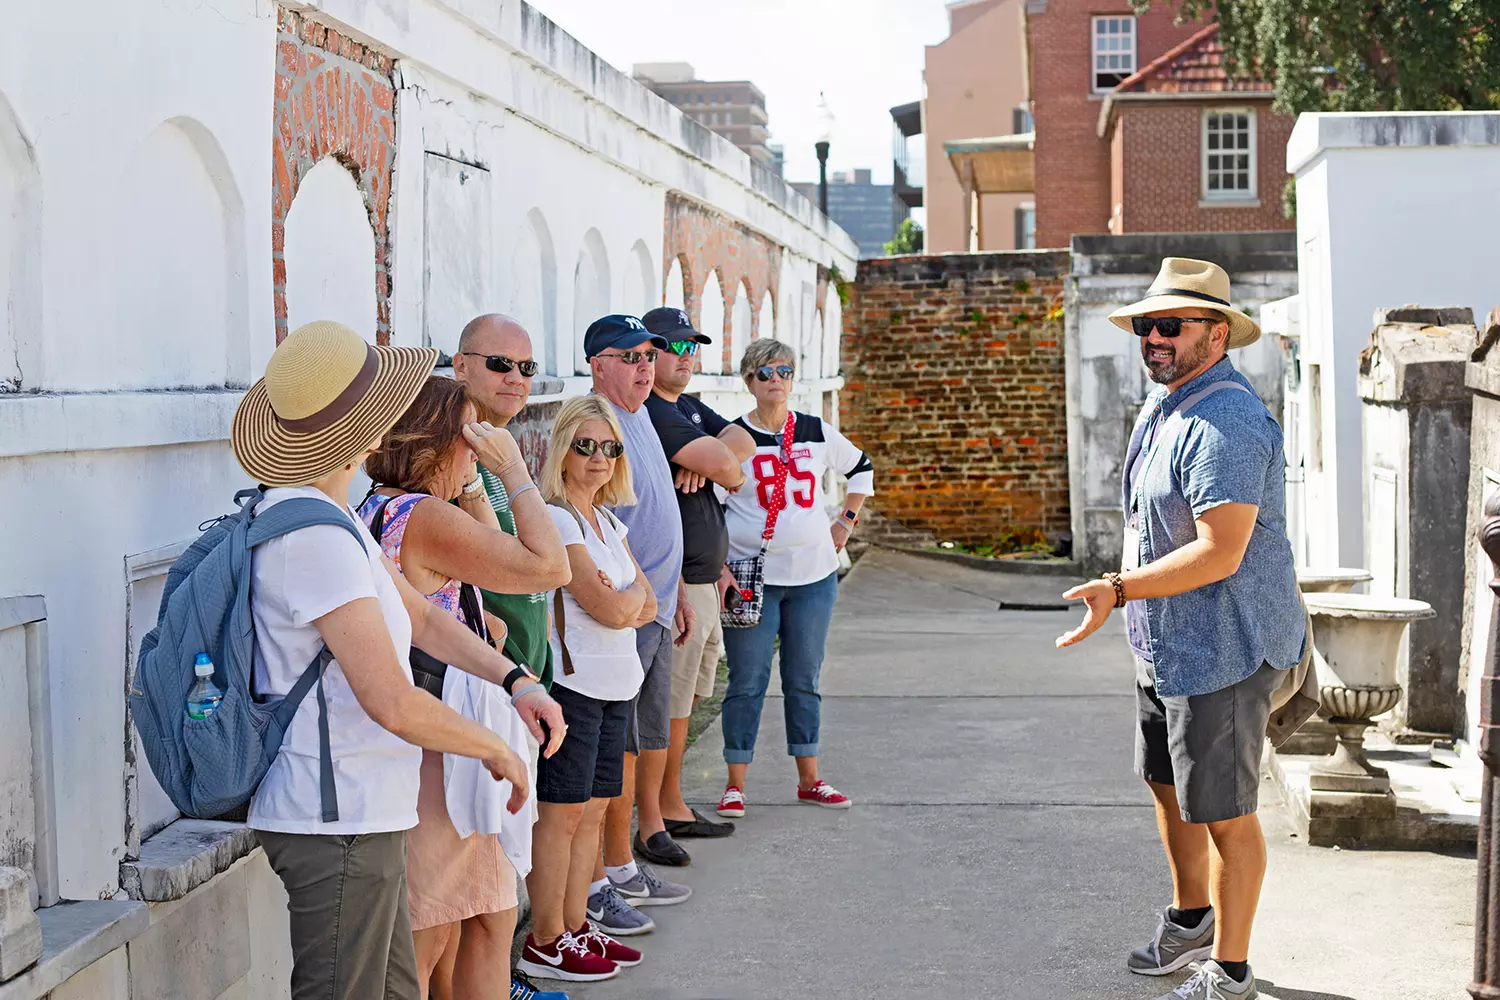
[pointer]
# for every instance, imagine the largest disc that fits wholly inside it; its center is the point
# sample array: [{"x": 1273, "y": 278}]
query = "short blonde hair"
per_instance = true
[
  {"x": 765, "y": 351},
  {"x": 576, "y": 412}
]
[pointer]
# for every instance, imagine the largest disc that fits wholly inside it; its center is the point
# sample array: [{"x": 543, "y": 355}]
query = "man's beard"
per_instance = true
[{"x": 1181, "y": 363}]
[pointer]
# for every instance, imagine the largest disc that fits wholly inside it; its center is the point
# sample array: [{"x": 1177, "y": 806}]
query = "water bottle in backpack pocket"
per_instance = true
[{"x": 210, "y": 755}]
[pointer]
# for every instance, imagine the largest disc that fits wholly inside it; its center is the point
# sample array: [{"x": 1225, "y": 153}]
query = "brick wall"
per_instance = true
[
  {"x": 702, "y": 240},
  {"x": 1161, "y": 192},
  {"x": 334, "y": 97},
  {"x": 1072, "y": 161},
  {"x": 954, "y": 369}
]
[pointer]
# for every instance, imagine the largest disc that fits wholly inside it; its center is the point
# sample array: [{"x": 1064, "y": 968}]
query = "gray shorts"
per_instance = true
[
  {"x": 1208, "y": 746},
  {"x": 650, "y": 724}
]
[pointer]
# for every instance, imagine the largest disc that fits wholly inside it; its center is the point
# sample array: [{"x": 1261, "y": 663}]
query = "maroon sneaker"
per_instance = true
[
  {"x": 566, "y": 958},
  {"x": 605, "y": 946},
  {"x": 823, "y": 794}
]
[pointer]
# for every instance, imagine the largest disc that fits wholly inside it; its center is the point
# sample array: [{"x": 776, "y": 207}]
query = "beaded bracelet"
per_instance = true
[{"x": 1113, "y": 579}]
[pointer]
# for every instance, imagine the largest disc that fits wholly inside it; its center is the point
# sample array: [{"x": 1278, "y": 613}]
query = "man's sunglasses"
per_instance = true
[
  {"x": 684, "y": 348},
  {"x": 785, "y": 371},
  {"x": 632, "y": 357},
  {"x": 587, "y": 446},
  {"x": 1167, "y": 326},
  {"x": 500, "y": 363}
]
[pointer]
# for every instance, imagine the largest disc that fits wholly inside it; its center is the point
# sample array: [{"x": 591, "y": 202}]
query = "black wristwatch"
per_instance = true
[{"x": 515, "y": 675}]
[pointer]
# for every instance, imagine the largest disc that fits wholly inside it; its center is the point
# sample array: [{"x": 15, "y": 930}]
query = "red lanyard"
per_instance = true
[{"x": 778, "y": 486}]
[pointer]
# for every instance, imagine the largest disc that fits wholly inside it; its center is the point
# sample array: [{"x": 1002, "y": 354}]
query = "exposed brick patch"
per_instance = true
[
  {"x": 333, "y": 97},
  {"x": 702, "y": 240},
  {"x": 955, "y": 389}
]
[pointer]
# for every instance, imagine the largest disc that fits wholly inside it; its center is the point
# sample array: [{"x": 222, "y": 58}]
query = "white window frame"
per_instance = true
[
  {"x": 1236, "y": 194},
  {"x": 1095, "y": 54}
]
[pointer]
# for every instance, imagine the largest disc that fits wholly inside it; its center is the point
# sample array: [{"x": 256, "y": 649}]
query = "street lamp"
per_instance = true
[
  {"x": 825, "y": 133},
  {"x": 1486, "y": 984}
]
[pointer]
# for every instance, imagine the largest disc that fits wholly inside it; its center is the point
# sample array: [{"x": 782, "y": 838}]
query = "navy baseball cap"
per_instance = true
[
  {"x": 672, "y": 323},
  {"x": 618, "y": 330}
]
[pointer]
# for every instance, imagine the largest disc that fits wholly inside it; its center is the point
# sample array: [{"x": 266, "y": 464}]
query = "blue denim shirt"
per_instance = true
[{"x": 1229, "y": 450}]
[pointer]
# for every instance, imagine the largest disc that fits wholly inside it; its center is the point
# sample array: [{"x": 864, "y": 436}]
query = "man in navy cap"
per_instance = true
[
  {"x": 622, "y": 358},
  {"x": 704, "y": 449}
]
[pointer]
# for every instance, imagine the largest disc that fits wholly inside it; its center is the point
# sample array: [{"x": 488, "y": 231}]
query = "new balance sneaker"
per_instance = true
[
  {"x": 1210, "y": 982},
  {"x": 732, "y": 803},
  {"x": 825, "y": 795},
  {"x": 650, "y": 889},
  {"x": 567, "y": 959},
  {"x": 522, "y": 988},
  {"x": 602, "y": 944},
  {"x": 1173, "y": 946},
  {"x": 615, "y": 916}
]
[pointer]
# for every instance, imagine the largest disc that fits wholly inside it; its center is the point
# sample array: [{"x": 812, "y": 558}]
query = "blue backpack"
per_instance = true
[{"x": 211, "y": 766}]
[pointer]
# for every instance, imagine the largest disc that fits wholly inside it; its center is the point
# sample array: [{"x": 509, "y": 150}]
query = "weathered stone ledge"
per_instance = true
[
  {"x": 183, "y": 856},
  {"x": 75, "y": 935}
]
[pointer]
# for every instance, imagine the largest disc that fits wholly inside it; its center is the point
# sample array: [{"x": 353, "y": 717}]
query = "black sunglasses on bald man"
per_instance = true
[
  {"x": 587, "y": 446},
  {"x": 500, "y": 363},
  {"x": 1167, "y": 326}
]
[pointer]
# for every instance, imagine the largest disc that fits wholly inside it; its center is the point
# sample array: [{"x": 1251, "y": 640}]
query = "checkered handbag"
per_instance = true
[{"x": 749, "y": 574}]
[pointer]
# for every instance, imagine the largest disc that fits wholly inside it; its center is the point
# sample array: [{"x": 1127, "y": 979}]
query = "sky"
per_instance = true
[{"x": 866, "y": 57}]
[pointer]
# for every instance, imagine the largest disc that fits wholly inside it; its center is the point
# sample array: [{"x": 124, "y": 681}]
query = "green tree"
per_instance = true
[
  {"x": 908, "y": 239},
  {"x": 1362, "y": 55}
]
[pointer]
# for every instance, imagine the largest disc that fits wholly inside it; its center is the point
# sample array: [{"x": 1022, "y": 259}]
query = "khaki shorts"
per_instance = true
[{"x": 696, "y": 663}]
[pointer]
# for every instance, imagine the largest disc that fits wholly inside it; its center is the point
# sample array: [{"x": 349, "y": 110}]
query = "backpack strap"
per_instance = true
[
  {"x": 277, "y": 520},
  {"x": 557, "y": 595}
]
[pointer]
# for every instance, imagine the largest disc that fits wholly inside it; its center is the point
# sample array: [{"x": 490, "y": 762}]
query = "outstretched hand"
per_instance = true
[
  {"x": 1099, "y": 600},
  {"x": 507, "y": 766}
]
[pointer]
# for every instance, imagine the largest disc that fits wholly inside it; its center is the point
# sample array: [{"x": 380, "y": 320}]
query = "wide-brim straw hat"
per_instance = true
[
  {"x": 1186, "y": 283},
  {"x": 326, "y": 397}
]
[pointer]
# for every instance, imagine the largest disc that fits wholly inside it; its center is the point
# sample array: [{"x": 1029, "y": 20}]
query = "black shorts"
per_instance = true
[
  {"x": 590, "y": 764},
  {"x": 1207, "y": 745}
]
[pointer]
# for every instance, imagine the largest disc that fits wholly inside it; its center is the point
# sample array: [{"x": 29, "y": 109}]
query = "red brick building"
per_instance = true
[{"x": 1140, "y": 127}]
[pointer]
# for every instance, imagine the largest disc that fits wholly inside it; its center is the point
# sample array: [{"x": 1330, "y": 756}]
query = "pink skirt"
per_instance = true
[{"x": 447, "y": 878}]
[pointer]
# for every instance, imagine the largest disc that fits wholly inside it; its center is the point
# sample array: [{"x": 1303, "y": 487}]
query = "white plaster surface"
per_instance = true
[
  {"x": 711, "y": 322},
  {"x": 1375, "y": 194},
  {"x": 330, "y": 252}
]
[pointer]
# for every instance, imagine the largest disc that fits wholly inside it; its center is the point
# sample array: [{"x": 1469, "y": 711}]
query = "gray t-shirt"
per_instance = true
[{"x": 655, "y": 521}]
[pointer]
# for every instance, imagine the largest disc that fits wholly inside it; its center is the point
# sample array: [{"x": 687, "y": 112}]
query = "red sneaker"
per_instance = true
[
  {"x": 732, "y": 803},
  {"x": 605, "y": 946},
  {"x": 825, "y": 795},
  {"x": 566, "y": 958}
]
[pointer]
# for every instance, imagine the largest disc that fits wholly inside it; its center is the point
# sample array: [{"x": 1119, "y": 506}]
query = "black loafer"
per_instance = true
[
  {"x": 698, "y": 826},
  {"x": 661, "y": 849}
]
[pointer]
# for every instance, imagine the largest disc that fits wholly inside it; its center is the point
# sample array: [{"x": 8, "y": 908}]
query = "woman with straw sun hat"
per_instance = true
[{"x": 325, "y": 402}]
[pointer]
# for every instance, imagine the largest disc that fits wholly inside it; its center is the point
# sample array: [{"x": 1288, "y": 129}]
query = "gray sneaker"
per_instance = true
[
  {"x": 612, "y": 915},
  {"x": 1173, "y": 947},
  {"x": 650, "y": 889},
  {"x": 1210, "y": 982}
]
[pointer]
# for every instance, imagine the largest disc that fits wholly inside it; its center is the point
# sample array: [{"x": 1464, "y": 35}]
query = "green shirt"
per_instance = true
[{"x": 524, "y": 615}]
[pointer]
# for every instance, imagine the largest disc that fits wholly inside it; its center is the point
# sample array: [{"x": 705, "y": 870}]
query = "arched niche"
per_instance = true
[
  {"x": 20, "y": 253},
  {"x": 711, "y": 322},
  {"x": 641, "y": 287},
  {"x": 590, "y": 292},
  {"x": 740, "y": 321},
  {"x": 330, "y": 252},
  {"x": 676, "y": 286},
  {"x": 534, "y": 290}
]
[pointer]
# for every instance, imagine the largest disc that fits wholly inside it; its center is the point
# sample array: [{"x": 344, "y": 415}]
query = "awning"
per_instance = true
[{"x": 1004, "y": 164}]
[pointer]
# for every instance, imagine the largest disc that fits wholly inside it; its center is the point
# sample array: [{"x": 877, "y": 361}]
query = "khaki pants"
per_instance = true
[
  {"x": 695, "y": 664},
  {"x": 351, "y": 932}
]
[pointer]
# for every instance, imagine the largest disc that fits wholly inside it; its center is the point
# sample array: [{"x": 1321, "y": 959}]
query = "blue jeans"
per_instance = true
[{"x": 800, "y": 616}]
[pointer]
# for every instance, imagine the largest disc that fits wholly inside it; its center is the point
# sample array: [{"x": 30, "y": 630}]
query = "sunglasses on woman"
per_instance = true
[
  {"x": 784, "y": 371},
  {"x": 500, "y": 363},
  {"x": 587, "y": 446},
  {"x": 684, "y": 348},
  {"x": 1167, "y": 326}
]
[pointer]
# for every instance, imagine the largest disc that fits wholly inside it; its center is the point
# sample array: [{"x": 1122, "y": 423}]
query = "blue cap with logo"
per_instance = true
[
  {"x": 618, "y": 330},
  {"x": 673, "y": 324}
]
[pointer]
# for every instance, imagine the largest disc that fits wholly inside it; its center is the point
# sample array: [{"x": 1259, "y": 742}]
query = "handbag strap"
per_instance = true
[
  {"x": 557, "y": 595},
  {"x": 778, "y": 486}
]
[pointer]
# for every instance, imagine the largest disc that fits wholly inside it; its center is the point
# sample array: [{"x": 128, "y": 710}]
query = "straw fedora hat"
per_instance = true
[
  {"x": 326, "y": 396},
  {"x": 1186, "y": 283}
]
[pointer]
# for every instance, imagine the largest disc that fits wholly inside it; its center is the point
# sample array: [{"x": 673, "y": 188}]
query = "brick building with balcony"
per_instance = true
[{"x": 1140, "y": 127}]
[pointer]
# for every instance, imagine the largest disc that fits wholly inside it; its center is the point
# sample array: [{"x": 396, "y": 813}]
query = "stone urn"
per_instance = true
[
  {"x": 1356, "y": 642},
  {"x": 1316, "y": 580}
]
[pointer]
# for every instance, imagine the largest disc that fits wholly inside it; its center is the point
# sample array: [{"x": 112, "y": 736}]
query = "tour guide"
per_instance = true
[{"x": 1212, "y": 614}]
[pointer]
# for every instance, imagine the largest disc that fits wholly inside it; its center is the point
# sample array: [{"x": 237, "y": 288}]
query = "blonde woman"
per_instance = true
[{"x": 594, "y": 622}]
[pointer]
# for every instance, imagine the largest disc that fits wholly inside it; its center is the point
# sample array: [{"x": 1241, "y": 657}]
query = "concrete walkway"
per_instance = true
[{"x": 1000, "y": 846}]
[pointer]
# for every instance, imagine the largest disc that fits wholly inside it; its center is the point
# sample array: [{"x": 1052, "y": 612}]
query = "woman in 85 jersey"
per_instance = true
[{"x": 793, "y": 451}]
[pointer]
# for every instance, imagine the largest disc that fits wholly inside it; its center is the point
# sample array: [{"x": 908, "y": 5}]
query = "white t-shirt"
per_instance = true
[
  {"x": 605, "y": 663},
  {"x": 297, "y": 579},
  {"x": 801, "y": 550}
]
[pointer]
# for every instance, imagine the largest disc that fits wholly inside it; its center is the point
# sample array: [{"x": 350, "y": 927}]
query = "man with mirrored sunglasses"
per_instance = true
[{"x": 705, "y": 450}]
